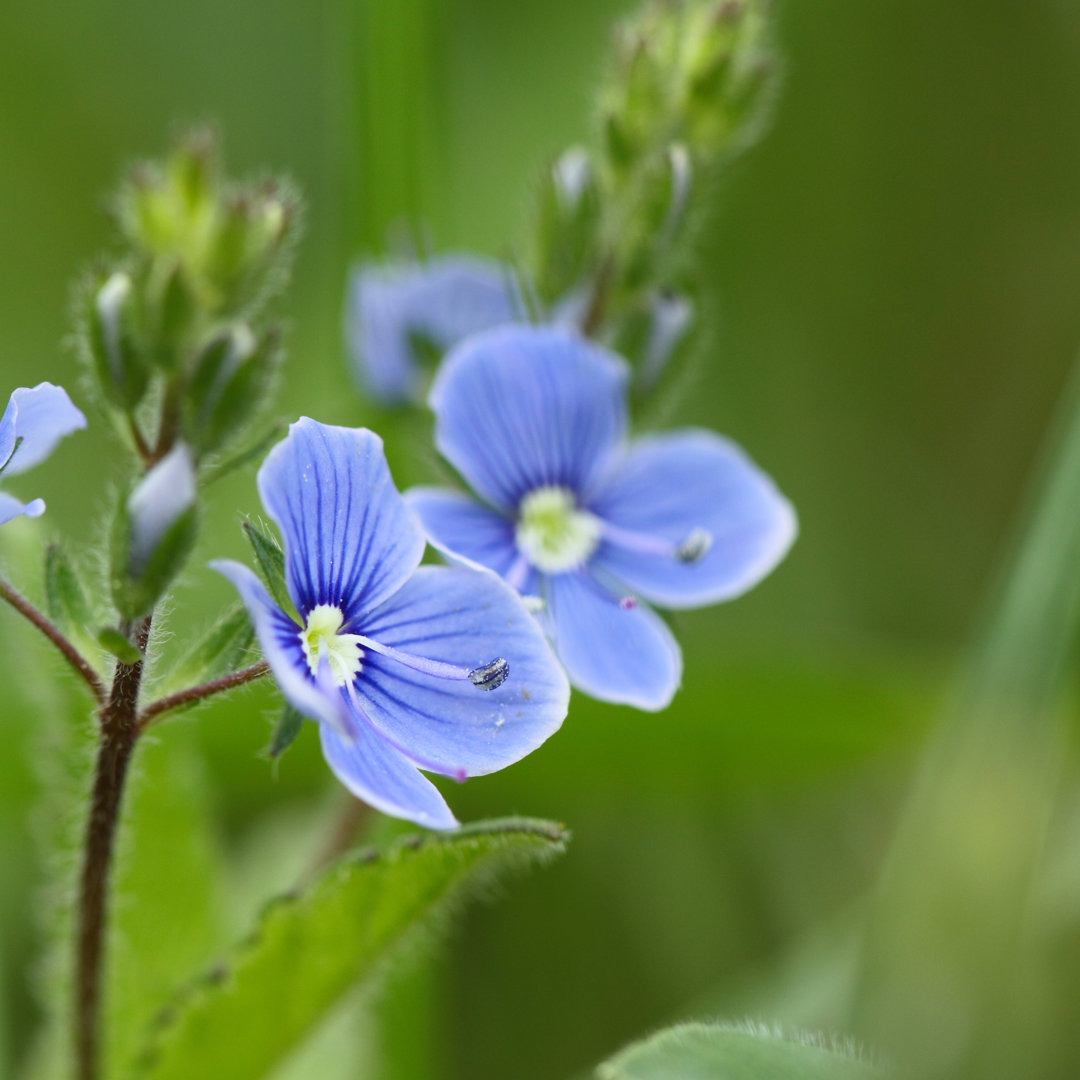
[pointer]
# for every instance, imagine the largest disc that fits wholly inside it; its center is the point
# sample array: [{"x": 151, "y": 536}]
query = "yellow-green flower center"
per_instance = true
[
  {"x": 553, "y": 533},
  {"x": 321, "y": 639}
]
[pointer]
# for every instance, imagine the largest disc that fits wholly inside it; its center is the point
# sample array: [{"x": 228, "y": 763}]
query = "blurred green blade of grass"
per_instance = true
[{"x": 943, "y": 946}]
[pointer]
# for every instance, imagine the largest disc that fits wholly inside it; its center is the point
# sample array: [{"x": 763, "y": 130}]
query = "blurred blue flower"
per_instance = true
[
  {"x": 574, "y": 517},
  {"x": 404, "y": 667},
  {"x": 390, "y": 306},
  {"x": 35, "y": 420}
]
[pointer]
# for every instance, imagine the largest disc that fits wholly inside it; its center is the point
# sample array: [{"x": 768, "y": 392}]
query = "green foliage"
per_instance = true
[
  {"x": 289, "y": 725},
  {"x": 170, "y": 909},
  {"x": 270, "y": 562},
  {"x": 116, "y": 643},
  {"x": 940, "y": 988},
  {"x": 310, "y": 950},
  {"x": 221, "y": 649},
  {"x": 65, "y": 599},
  {"x": 718, "y": 1052}
]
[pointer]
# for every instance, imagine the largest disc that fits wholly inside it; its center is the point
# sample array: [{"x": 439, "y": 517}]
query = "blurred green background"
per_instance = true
[{"x": 895, "y": 274}]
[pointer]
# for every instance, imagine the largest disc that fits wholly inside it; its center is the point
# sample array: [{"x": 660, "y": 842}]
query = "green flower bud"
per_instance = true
[
  {"x": 229, "y": 382},
  {"x": 172, "y": 311},
  {"x": 118, "y": 362}
]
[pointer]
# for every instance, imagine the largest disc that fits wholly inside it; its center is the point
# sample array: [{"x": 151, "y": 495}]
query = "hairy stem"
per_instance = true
[
  {"x": 157, "y": 709},
  {"x": 119, "y": 731},
  {"x": 72, "y": 655}
]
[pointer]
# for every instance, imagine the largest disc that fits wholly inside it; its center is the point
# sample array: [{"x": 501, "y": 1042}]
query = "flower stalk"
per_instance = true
[{"x": 119, "y": 730}]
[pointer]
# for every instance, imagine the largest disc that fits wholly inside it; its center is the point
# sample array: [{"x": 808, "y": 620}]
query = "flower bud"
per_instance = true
[
  {"x": 249, "y": 233},
  {"x": 111, "y": 325},
  {"x": 228, "y": 384},
  {"x": 172, "y": 312},
  {"x": 158, "y": 501},
  {"x": 154, "y": 533}
]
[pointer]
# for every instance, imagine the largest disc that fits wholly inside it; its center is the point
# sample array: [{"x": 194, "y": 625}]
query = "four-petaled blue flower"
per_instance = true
[
  {"x": 35, "y": 420},
  {"x": 390, "y": 305},
  {"x": 405, "y": 667},
  {"x": 534, "y": 420}
]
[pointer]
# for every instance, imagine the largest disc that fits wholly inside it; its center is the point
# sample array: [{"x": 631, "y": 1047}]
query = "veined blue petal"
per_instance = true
[
  {"x": 467, "y": 618},
  {"x": 442, "y": 300},
  {"x": 376, "y": 773},
  {"x": 616, "y": 653},
  {"x": 279, "y": 639},
  {"x": 350, "y": 540},
  {"x": 466, "y": 531},
  {"x": 669, "y": 486},
  {"x": 524, "y": 407},
  {"x": 11, "y": 508},
  {"x": 40, "y": 416}
]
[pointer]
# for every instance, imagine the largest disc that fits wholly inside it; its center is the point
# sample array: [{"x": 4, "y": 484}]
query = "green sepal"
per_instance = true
[
  {"x": 257, "y": 448},
  {"x": 65, "y": 599},
  {"x": 224, "y": 647},
  {"x": 136, "y": 594},
  {"x": 270, "y": 562},
  {"x": 114, "y": 642},
  {"x": 286, "y": 729},
  {"x": 230, "y": 382},
  {"x": 112, "y": 339},
  {"x": 172, "y": 311}
]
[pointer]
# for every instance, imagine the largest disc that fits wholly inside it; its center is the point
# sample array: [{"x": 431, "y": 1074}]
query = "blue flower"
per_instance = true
[
  {"x": 442, "y": 301},
  {"x": 35, "y": 420},
  {"x": 573, "y": 516},
  {"x": 405, "y": 667}
]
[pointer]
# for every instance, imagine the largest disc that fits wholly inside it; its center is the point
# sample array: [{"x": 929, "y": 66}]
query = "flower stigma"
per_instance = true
[
  {"x": 321, "y": 638},
  {"x": 552, "y": 533}
]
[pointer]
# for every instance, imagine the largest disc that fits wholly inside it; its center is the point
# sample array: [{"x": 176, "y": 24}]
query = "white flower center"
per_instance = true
[
  {"x": 552, "y": 533},
  {"x": 320, "y": 638}
]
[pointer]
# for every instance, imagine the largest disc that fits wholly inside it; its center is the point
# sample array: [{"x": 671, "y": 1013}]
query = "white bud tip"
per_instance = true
[
  {"x": 491, "y": 676},
  {"x": 694, "y": 547}
]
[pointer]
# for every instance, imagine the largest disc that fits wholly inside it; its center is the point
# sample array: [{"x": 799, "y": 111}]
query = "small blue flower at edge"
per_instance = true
[
  {"x": 441, "y": 301},
  {"x": 585, "y": 523},
  {"x": 405, "y": 667},
  {"x": 35, "y": 420}
]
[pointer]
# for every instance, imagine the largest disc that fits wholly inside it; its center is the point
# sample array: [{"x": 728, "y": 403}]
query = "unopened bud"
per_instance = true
[
  {"x": 120, "y": 371},
  {"x": 160, "y": 499}
]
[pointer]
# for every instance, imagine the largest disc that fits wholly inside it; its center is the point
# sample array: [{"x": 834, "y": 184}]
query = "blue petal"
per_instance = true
[
  {"x": 279, "y": 639},
  {"x": 40, "y": 417},
  {"x": 465, "y": 531},
  {"x": 626, "y": 656},
  {"x": 11, "y": 508},
  {"x": 523, "y": 407},
  {"x": 467, "y": 618},
  {"x": 349, "y": 538},
  {"x": 376, "y": 773},
  {"x": 443, "y": 301},
  {"x": 670, "y": 485}
]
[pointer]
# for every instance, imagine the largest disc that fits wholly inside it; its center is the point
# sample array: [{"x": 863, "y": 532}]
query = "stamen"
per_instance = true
[
  {"x": 487, "y": 677},
  {"x": 492, "y": 675},
  {"x": 694, "y": 547}
]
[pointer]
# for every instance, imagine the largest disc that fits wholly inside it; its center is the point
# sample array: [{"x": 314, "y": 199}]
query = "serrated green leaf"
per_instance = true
[
  {"x": 223, "y": 648},
  {"x": 308, "y": 951},
  {"x": 285, "y": 732},
  {"x": 113, "y": 641},
  {"x": 719, "y": 1052},
  {"x": 270, "y": 560}
]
